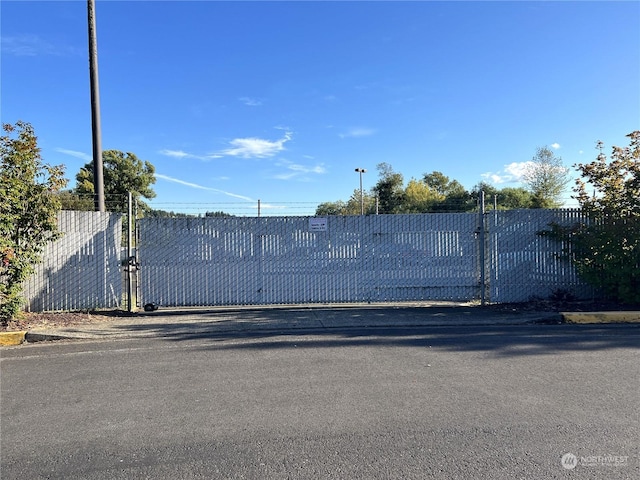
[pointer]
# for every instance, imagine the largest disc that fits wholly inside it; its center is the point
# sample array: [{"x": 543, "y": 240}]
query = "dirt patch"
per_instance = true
[{"x": 30, "y": 321}]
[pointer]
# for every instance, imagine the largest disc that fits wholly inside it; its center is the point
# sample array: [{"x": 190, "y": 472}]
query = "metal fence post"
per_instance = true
[
  {"x": 482, "y": 252},
  {"x": 128, "y": 267}
]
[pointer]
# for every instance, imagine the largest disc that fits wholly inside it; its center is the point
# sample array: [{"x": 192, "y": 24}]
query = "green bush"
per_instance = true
[
  {"x": 606, "y": 248},
  {"x": 28, "y": 211}
]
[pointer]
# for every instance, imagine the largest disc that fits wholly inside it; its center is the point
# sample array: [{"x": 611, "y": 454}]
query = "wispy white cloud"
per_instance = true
[
  {"x": 250, "y": 102},
  {"x": 252, "y": 147},
  {"x": 201, "y": 187},
  {"x": 175, "y": 153},
  {"x": 300, "y": 172},
  {"x": 512, "y": 173},
  {"x": 182, "y": 154},
  {"x": 74, "y": 153},
  {"x": 304, "y": 169},
  {"x": 33, "y": 45},
  {"x": 358, "y": 132},
  {"x": 249, "y": 147},
  {"x": 555, "y": 146}
]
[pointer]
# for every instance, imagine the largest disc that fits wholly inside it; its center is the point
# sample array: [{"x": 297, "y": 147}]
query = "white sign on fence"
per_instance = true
[{"x": 318, "y": 224}]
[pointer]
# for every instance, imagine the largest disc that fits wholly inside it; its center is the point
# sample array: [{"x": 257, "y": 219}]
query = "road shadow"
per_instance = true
[{"x": 415, "y": 328}]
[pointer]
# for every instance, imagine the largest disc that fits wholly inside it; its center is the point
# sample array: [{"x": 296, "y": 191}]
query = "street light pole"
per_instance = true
[{"x": 361, "y": 171}]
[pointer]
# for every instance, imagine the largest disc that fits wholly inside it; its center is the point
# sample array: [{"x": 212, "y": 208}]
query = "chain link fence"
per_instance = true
[
  {"x": 203, "y": 261},
  {"x": 496, "y": 257},
  {"x": 81, "y": 270}
]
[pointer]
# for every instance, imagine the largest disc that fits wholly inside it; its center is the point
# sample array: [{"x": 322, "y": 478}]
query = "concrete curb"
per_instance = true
[
  {"x": 601, "y": 317},
  {"x": 194, "y": 328},
  {"x": 12, "y": 338}
]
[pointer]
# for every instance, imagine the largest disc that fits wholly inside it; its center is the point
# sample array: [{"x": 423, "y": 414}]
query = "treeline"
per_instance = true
[
  {"x": 69, "y": 200},
  {"x": 434, "y": 192},
  {"x": 123, "y": 173},
  {"x": 153, "y": 213},
  {"x": 545, "y": 180}
]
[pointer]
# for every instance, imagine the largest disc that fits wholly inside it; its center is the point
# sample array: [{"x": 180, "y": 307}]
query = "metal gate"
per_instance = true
[
  {"x": 285, "y": 260},
  {"x": 496, "y": 256}
]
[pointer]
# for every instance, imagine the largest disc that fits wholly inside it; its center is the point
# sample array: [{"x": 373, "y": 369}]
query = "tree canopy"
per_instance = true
[
  {"x": 419, "y": 197},
  {"x": 123, "y": 173},
  {"x": 546, "y": 178},
  {"x": 606, "y": 251},
  {"x": 350, "y": 207},
  {"x": 389, "y": 189},
  {"x": 73, "y": 201},
  {"x": 434, "y": 192},
  {"x": 28, "y": 212},
  {"x": 507, "y": 198},
  {"x": 612, "y": 188}
]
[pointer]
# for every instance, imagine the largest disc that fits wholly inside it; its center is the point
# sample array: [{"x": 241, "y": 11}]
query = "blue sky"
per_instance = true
[{"x": 280, "y": 101}]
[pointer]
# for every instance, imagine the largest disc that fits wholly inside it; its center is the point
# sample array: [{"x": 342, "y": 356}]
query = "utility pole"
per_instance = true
[{"x": 98, "y": 175}]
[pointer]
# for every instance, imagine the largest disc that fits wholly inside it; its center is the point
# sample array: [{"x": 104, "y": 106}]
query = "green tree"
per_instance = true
[
  {"x": 28, "y": 211},
  {"x": 507, "y": 198},
  {"x": 490, "y": 193},
  {"x": 460, "y": 201},
  {"x": 546, "y": 178},
  {"x": 606, "y": 251},
  {"x": 435, "y": 192},
  {"x": 350, "y": 207},
  {"x": 440, "y": 183},
  {"x": 155, "y": 213},
  {"x": 73, "y": 201},
  {"x": 353, "y": 207},
  {"x": 389, "y": 189},
  {"x": 218, "y": 214},
  {"x": 419, "y": 197},
  {"x": 331, "y": 208},
  {"x": 514, "y": 197},
  {"x": 455, "y": 197},
  {"x": 123, "y": 173}
]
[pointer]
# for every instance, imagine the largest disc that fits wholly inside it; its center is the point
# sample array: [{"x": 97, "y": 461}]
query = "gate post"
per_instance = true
[
  {"x": 482, "y": 247},
  {"x": 128, "y": 267}
]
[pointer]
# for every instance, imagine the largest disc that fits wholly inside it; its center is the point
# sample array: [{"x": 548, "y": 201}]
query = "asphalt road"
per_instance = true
[{"x": 492, "y": 402}]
